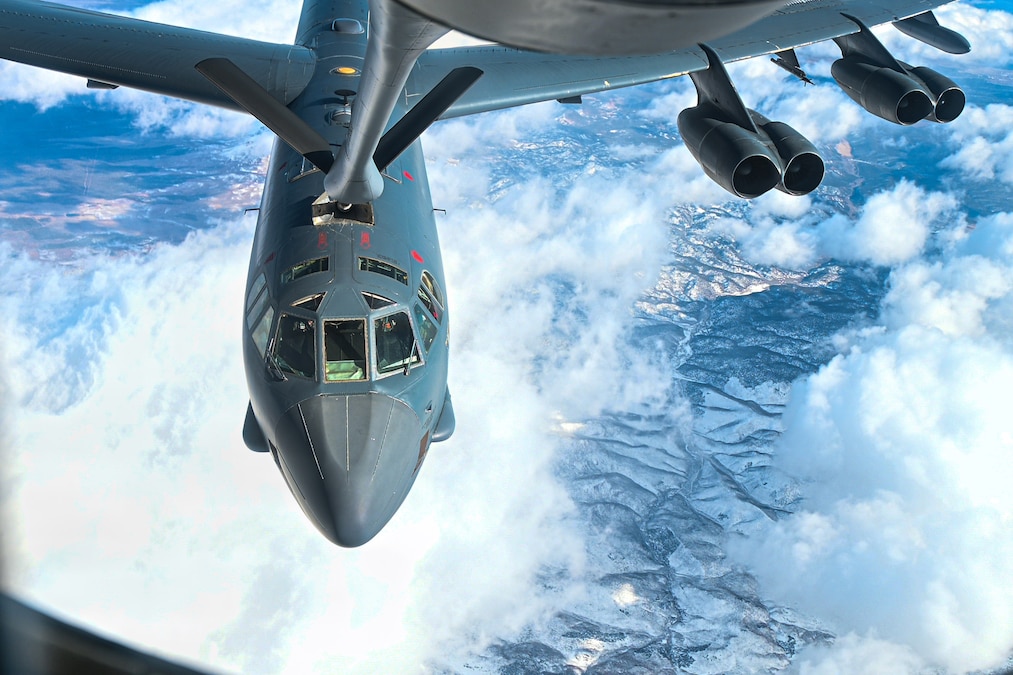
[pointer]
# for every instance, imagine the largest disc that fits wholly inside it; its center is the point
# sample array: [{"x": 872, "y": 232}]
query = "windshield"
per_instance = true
[
  {"x": 294, "y": 350},
  {"x": 345, "y": 350},
  {"x": 395, "y": 343}
]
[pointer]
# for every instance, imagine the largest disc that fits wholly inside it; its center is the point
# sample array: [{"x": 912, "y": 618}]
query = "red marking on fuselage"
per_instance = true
[
  {"x": 409, "y": 176},
  {"x": 322, "y": 241},
  {"x": 418, "y": 257},
  {"x": 423, "y": 449},
  {"x": 364, "y": 240},
  {"x": 269, "y": 258}
]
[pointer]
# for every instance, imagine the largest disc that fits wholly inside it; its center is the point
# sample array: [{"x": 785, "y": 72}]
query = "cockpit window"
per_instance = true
[
  {"x": 431, "y": 296},
  {"x": 376, "y": 301},
  {"x": 429, "y": 283},
  {"x": 257, "y": 319},
  {"x": 294, "y": 349},
  {"x": 304, "y": 268},
  {"x": 428, "y": 301},
  {"x": 396, "y": 348},
  {"x": 386, "y": 269},
  {"x": 255, "y": 289},
  {"x": 256, "y": 300},
  {"x": 345, "y": 350},
  {"x": 263, "y": 330},
  {"x": 427, "y": 328},
  {"x": 311, "y": 302}
]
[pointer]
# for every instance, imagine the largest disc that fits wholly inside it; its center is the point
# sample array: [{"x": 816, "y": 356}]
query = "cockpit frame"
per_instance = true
[{"x": 385, "y": 349}]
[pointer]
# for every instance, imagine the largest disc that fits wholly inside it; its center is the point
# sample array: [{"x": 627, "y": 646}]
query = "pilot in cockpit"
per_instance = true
[{"x": 394, "y": 342}]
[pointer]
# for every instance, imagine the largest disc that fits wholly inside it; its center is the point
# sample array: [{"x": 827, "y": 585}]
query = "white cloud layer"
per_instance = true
[
  {"x": 123, "y": 421},
  {"x": 893, "y": 226},
  {"x": 118, "y": 434},
  {"x": 902, "y": 443},
  {"x": 983, "y": 143}
]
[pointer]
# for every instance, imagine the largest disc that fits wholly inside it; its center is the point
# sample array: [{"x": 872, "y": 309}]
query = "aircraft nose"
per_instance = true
[{"x": 352, "y": 460}]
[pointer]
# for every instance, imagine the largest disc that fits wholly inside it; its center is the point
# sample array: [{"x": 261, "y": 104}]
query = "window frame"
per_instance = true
[
  {"x": 418, "y": 353},
  {"x": 289, "y": 275},
  {"x": 272, "y": 349},
  {"x": 367, "y": 367}
]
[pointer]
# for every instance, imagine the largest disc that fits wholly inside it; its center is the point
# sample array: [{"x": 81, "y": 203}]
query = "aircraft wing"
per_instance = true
[
  {"x": 121, "y": 51},
  {"x": 514, "y": 77},
  {"x": 34, "y": 643}
]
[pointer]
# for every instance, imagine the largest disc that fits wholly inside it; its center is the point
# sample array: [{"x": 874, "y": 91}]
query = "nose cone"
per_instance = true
[{"x": 350, "y": 461}]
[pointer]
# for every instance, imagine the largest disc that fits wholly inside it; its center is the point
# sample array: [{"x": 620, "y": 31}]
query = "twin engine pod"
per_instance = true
[
  {"x": 740, "y": 149},
  {"x": 902, "y": 96},
  {"x": 749, "y": 162},
  {"x": 891, "y": 89}
]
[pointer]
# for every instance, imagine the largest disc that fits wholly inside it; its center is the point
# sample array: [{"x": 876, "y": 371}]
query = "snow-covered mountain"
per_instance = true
[{"x": 695, "y": 434}]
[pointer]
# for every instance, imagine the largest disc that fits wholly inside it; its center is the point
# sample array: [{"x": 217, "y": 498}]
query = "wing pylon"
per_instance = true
[{"x": 740, "y": 149}]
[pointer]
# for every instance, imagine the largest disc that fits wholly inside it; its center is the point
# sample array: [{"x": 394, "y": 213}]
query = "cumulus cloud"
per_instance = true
[
  {"x": 902, "y": 443},
  {"x": 893, "y": 227},
  {"x": 43, "y": 88},
  {"x": 857, "y": 654},
  {"x": 788, "y": 245},
  {"x": 267, "y": 20},
  {"x": 983, "y": 143}
]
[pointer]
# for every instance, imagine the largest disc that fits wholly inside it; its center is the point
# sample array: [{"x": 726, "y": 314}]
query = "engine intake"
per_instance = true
[
  {"x": 883, "y": 91},
  {"x": 733, "y": 157},
  {"x": 748, "y": 163},
  {"x": 888, "y": 88},
  {"x": 948, "y": 97},
  {"x": 802, "y": 167},
  {"x": 740, "y": 149}
]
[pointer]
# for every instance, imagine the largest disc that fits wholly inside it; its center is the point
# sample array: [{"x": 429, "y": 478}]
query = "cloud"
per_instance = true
[
  {"x": 126, "y": 409},
  {"x": 901, "y": 443},
  {"x": 43, "y": 88},
  {"x": 858, "y": 654},
  {"x": 983, "y": 143},
  {"x": 893, "y": 227},
  {"x": 267, "y": 20},
  {"x": 130, "y": 433}
]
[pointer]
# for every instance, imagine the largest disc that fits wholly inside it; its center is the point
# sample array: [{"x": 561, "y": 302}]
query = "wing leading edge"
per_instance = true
[
  {"x": 121, "y": 51},
  {"x": 514, "y": 77}
]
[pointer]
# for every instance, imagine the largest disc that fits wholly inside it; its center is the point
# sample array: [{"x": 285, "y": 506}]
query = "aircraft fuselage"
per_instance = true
[{"x": 345, "y": 325}]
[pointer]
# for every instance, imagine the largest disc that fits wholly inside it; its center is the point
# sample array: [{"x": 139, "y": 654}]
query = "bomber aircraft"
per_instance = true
[{"x": 345, "y": 322}]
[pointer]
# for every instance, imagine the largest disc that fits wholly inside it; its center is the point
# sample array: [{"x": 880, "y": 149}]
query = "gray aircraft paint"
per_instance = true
[{"x": 349, "y": 451}]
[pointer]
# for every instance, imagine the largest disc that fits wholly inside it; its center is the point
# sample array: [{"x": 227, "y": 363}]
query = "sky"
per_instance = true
[{"x": 130, "y": 502}]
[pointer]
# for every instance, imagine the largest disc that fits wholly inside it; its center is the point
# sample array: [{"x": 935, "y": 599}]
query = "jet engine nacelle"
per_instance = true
[
  {"x": 948, "y": 98},
  {"x": 900, "y": 97},
  {"x": 801, "y": 165},
  {"x": 598, "y": 27},
  {"x": 748, "y": 163}
]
